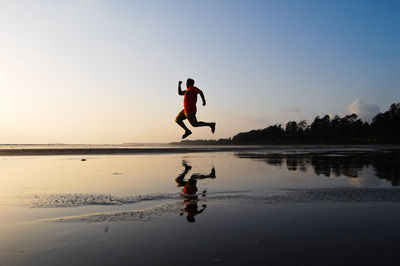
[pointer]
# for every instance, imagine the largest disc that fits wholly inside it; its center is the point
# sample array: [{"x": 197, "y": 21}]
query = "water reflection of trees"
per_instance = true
[{"x": 386, "y": 164}]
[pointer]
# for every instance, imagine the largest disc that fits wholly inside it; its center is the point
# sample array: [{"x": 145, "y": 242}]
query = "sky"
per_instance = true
[{"x": 107, "y": 71}]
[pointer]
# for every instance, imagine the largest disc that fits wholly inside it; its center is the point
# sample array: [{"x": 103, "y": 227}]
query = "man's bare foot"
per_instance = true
[
  {"x": 212, "y": 174},
  {"x": 187, "y": 133},
  {"x": 213, "y": 127},
  {"x": 187, "y": 167}
]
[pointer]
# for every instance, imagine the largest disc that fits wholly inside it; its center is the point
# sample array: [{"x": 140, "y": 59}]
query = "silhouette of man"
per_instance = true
[
  {"x": 189, "y": 110},
  {"x": 190, "y": 198}
]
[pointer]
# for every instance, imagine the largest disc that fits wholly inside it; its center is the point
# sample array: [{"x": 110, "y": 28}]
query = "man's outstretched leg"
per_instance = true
[
  {"x": 200, "y": 176},
  {"x": 193, "y": 121},
  {"x": 179, "y": 120}
]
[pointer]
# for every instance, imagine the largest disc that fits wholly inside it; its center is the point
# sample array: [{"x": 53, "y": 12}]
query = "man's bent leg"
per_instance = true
[{"x": 179, "y": 120}]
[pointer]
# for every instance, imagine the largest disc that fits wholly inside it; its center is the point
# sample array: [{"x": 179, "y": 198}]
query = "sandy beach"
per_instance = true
[
  {"x": 204, "y": 205},
  {"x": 43, "y": 150}
]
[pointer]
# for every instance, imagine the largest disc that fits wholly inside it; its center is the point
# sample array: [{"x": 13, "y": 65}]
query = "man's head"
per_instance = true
[{"x": 189, "y": 82}]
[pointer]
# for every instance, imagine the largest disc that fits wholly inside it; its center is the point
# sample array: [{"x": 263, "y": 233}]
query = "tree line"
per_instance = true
[{"x": 350, "y": 129}]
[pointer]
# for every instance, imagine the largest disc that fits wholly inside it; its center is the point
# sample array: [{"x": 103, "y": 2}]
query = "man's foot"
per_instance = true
[
  {"x": 187, "y": 167},
  {"x": 187, "y": 133},
  {"x": 213, "y": 127},
  {"x": 212, "y": 174}
]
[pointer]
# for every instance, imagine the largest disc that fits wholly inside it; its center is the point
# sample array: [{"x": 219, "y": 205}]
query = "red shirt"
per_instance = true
[
  {"x": 190, "y": 99},
  {"x": 190, "y": 190}
]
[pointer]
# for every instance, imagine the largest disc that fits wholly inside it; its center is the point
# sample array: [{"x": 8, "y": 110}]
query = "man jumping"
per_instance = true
[{"x": 189, "y": 110}]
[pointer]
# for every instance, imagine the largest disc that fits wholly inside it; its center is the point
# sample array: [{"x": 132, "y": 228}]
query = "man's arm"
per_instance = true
[
  {"x": 180, "y": 91},
  {"x": 202, "y": 97}
]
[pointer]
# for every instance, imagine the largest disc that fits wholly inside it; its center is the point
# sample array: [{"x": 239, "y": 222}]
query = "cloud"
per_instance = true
[
  {"x": 292, "y": 110},
  {"x": 365, "y": 111}
]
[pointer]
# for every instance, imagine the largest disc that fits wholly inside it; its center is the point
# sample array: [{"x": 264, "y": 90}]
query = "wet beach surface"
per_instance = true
[{"x": 286, "y": 206}]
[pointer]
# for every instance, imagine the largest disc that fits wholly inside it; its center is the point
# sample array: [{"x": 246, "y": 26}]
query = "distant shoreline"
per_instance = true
[{"x": 191, "y": 149}]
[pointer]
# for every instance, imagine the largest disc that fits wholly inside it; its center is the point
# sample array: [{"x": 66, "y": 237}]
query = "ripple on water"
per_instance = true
[{"x": 320, "y": 195}]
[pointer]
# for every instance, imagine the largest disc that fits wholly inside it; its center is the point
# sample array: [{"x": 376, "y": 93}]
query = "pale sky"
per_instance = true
[{"x": 107, "y": 71}]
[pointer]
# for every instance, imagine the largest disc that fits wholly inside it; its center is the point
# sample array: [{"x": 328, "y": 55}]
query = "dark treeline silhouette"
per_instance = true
[
  {"x": 384, "y": 128},
  {"x": 386, "y": 164}
]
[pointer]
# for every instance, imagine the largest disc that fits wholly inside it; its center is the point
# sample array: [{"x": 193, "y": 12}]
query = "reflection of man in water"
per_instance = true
[{"x": 190, "y": 191}]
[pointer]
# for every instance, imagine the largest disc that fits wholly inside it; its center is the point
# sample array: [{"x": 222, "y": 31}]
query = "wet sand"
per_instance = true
[
  {"x": 269, "y": 205},
  {"x": 42, "y": 150}
]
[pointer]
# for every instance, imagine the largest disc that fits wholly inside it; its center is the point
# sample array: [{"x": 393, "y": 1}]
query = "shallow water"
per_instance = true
[{"x": 237, "y": 207}]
